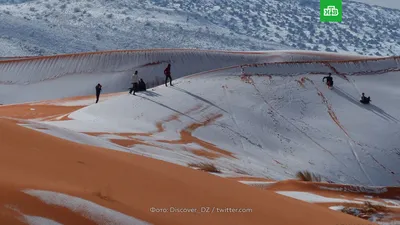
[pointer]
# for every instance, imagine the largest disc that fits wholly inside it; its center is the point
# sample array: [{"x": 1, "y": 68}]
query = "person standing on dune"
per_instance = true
[
  {"x": 98, "y": 90},
  {"x": 167, "y": 73},
  {"x": 135, "y": 79}
]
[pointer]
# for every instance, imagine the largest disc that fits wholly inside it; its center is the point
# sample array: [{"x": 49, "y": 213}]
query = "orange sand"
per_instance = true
[{"x": 40, "y": 111}]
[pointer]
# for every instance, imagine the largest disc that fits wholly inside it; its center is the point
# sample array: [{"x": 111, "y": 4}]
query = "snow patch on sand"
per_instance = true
[
  {"x": 357, "y": 189},
  {"x": 37, "y": 220},
  {"x": 89, "y": 210},
  {"x": 313, "y": 198},
  {"x": 337, "y": 208},
  {"x": 261, "y": 184},
  {"x": 392, "y": 201},
  {"x": 256, "y": 182}
]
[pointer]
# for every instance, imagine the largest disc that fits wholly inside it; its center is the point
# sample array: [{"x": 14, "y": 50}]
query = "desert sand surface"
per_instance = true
[
  {"x": 131, "y": 185},
  {"x": 36, "y": 112}
]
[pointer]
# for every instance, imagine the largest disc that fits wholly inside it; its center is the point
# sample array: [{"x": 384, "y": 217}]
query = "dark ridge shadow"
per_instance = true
[
  {"x": 149, "y": 93},
  {"x": 179, "y": 112},
  {"x": 200, "y": 98},
  {"x": 373, "y": 108}
]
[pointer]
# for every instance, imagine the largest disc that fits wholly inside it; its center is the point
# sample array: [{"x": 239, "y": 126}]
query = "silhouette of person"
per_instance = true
[
  {"x": 135, "y": 79},
  {"x": 167, "y": 73},
  {"x": 329, "y": 80},
  {"x": 98, "y": 91}
]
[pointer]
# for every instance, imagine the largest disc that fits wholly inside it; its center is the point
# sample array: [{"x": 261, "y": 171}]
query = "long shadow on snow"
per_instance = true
[
  {"x": 179, "y": 112},
  {"x": 150, "y": 93},
  {"x": 376, "y": 110},
  {"x": 200, "y": 98}
]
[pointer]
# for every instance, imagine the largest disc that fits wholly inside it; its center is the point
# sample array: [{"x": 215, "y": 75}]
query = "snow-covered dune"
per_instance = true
[
  {"x": 268, "y": 127},
  {"x": 271, "y": 125},
  {"x": 53, "y": 77},
  {"x": 245, "y": 122}
]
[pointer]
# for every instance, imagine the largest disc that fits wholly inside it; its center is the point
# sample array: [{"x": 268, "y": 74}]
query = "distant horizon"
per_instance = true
[{"x": 199, "y": 49}]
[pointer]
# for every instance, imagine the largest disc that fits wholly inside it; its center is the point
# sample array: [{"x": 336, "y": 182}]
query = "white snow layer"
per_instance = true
[
  {"x": 89, "y": 210},
  {"x": 249, "y": 182},
  {"x": 337, "y": 208},
  {"x": 37, "y": 220}
]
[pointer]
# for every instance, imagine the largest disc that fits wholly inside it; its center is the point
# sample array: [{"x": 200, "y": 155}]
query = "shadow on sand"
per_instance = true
[
  {"x": 198, "y": 97},
  {"x": 376, "y": 110}
]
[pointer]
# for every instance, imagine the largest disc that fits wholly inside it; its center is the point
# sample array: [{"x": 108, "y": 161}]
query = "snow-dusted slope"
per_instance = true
[
  {"x": 276, "y": 120},
  {"x": 393, "y": 4},
  {"x": 365, "y": 29},
  {"x": 55, "y": 77},
  {"x": 47, "y": 27}
]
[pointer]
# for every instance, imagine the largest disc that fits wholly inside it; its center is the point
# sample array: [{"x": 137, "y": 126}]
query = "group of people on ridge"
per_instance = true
[
  {"x": 138, "y": 84},
  {"x": 329, "y": 83}
]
